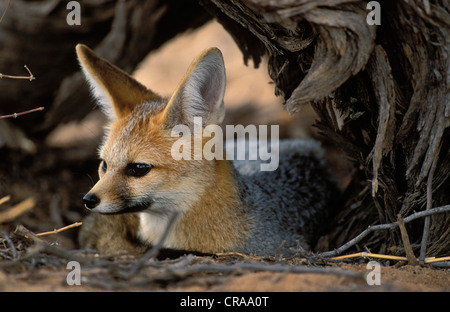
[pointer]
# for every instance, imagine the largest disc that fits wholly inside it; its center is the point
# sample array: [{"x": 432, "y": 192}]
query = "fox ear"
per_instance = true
[
  {"x": 116, "y": 91},
  {"x": 200, "y": 93}
]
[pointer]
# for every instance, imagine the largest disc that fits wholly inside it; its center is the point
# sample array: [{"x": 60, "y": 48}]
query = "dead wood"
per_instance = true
[
  {"x": 23, "y": 251},
  {"x": 381, "y": 93},
  {"x": 378, "y": 227},
  {"x": 36, "y": 33}
]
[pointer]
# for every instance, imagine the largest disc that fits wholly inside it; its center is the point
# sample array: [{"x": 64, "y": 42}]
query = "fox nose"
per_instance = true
[{"x": 91, "y": 201}]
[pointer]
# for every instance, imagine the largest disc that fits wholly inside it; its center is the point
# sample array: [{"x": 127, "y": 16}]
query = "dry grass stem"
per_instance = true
[
  {"x": 4, "y": 199},
  {"x": 17, "y": 210},
  {"x": 4, "y": 12},
  {"x": 15, "y": 115},
  {"x": 30, "y": 77},
  {"x": 56, "y": 231},
  {"x": 388, "y": 257}
]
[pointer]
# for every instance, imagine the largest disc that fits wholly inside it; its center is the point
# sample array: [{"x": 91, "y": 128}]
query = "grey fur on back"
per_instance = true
[{"x": 291, "y": 204}]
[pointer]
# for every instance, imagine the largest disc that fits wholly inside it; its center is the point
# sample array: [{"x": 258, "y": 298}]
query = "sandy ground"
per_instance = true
[
  {"x": 249, "y": 99},
  {"x": 392, "y": 279}
]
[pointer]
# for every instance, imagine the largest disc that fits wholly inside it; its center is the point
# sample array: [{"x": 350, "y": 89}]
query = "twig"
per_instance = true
[
  {"x": 370, "y": 255},
  {"x": 426, "y": 225},
  {"x": 41, "y": 246},
  {"x": 44, "y": 247},
  {"x": 441, "y": 264},
  {"x": 23, "y": 231},
  {"x": 56, "y": 231},
  {"x": 30, "y": 77},
  {"x": 17, "y": 210},
  {"x": 4, "y": 199},
  {"x": 389, "y": 226},
  {"x": 406, "y": 243},
  {"x": 388, "y": 257},
  {"x": 4, "y": 12},
  {"x": 154, "y": 251},
  {"x": 15, "y": 115},
  {"x": 237, "y": 254},
  {"x": 11, "y": 244},
  {"x": 434, "y": 260}
]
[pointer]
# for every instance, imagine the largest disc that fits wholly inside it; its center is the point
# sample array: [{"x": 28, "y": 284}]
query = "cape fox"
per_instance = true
[{"x": 222, "y": 205}]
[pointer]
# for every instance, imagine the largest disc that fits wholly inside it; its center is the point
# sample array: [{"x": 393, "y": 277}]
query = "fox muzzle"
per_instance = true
[{"x": 91, "y": 201}]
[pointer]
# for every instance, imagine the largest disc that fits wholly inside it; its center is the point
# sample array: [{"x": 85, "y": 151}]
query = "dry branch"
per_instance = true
[
  {"x": 153, "y": 252},
  {"x": 120, "y": 272},
  {"x": 56, "y": 231},
  {"x": 4, "y": 12},
  {"x": 388, "y": 257},
  {"x": 388, "y": 83},
  {"x": 15, "y": 115},
  {"x": 390, "y": 226},
  {"x": 406, "y": 244},
  {"x": 369, "y": 255},
  {"x": 426, "y": 225},
  {"x": 40, "y": 246},
  {"x": 29, "y": 77},
  {"x": 123, "y": 32},
  {"x": 11, "y": 244}
]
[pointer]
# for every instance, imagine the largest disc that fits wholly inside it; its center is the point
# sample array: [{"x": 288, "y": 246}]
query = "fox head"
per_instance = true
[{"x": 137, "y": 171}]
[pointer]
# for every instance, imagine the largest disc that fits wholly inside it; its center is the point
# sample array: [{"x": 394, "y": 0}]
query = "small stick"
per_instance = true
[
  {"x": 426, "y": 225},
  {"x": 405, "y": 239},
  {"x": 4, "y": 13},
  {"x": 30, "y": 77},
  {"x": 370, "y": 255},
  {"x": 23, "y": 231},
  {"x": 388, "y": 257},
  {"x": 238, "y": 254},
  {"x": 5, "y": 199},
  {"x": 154, "y": 251},
  {"x": 388, "y": 226},
  {"x": 56, "y": 231},
  {"x": 434, "y": 260},
  {"x": 17, "y": 210},
  {"x": 15, "y": 115}
]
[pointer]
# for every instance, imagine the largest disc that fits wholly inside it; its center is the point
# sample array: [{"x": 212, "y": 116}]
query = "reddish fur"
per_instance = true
[{"x": 212, "y": 217}]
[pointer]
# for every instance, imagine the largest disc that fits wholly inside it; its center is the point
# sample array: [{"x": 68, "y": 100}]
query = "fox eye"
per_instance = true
[
  {"x": 137, "y": 170},
  {"x": 104, "y": 166}
]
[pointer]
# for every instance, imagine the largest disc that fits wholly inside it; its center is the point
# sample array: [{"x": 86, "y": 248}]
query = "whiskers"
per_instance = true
[{"x": 91, "y": 179}]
